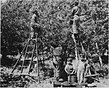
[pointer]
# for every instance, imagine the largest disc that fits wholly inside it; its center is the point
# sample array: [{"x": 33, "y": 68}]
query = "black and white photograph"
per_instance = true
[{"x": 54, "y": 44}]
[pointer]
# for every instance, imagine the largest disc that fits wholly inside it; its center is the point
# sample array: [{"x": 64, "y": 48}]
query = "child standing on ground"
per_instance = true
[{"x": 69, "y": 69}]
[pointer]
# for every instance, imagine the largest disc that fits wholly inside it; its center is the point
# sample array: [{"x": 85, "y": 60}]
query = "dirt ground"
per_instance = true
[{"x": 104, "y": 83}]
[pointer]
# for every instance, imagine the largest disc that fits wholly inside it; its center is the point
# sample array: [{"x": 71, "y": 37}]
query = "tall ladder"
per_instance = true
[
  {"x": 29, "y": 53},
  {"x": 76, "y": 51}
]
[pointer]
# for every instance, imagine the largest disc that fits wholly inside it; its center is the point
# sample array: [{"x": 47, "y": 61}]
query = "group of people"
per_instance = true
[
  {"x": 76, "y": 67},
  {"x": 73, "y": 22},
  {"x": 72, "y": 67}
]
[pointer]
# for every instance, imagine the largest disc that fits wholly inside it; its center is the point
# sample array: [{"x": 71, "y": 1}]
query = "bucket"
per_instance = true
[{"x": 72, "y": 78}]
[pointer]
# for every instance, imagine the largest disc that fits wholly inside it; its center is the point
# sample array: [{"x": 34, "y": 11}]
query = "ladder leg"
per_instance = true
[
  {"x": 24, "y": 60},
  {"x": 16, "y": 64},
  {"x": 19, "y": 59},
  {"x": 31, "y": 59}
]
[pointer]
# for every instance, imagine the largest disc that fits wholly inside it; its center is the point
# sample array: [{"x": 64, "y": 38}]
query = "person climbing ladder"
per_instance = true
[{"x": 34, "y": 23}]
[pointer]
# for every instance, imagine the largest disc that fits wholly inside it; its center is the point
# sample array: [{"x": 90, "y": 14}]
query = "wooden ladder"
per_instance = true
[{"x": 29, "y": 53}]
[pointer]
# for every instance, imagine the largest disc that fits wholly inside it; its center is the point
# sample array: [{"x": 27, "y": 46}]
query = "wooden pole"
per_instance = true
[
  {"x": 24, "y": 60},
  {"x": 99, "y": 54},
  {"x": 37, "y": 59},
  {"x": 83, "y": 50},
  {"x": 20, "y": 57},
  {"x": 76, "y": 53},
  {"x": 32, "y": 59}
]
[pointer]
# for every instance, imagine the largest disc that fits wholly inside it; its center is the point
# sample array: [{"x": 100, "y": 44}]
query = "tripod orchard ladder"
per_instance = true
[
  {"x": 30, "y": 54},
  {"x": 76, "y": 52}
]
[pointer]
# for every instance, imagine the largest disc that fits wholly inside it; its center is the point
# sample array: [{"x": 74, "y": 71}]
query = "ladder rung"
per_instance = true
[
  {"x": 34, "y": 39},
  {"x": 26, "y": 74},
  {"x": 25, "y": 59},
  {"x": 31, "y": 45},
  {"x": 22, "y": 66},
  {"x": 34, "y": 74},
  {"x": 29, "y": 52}
]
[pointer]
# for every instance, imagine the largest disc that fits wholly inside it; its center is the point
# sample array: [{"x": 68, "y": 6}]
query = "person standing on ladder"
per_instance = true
[
  {"x": 34, "y": 23},
  {"x": 75, "y": 21},
  {"x": 74, "y": 24},
  {"x": 34, "y": 29}
]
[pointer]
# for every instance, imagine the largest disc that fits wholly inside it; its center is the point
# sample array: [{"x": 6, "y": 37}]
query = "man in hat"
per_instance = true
[
  {"x": 74, "y": 22},
  {"x": 57, "y": 61},
  {"x": 34, "y": 22}
]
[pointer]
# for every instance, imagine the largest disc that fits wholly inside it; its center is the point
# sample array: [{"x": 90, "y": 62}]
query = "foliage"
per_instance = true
[
  {"x": 7, "y": 79},
  {"x": 55, "y": 30},
  {"x": 14, "y": 25},
  {"x": 54, "y": 21}
]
